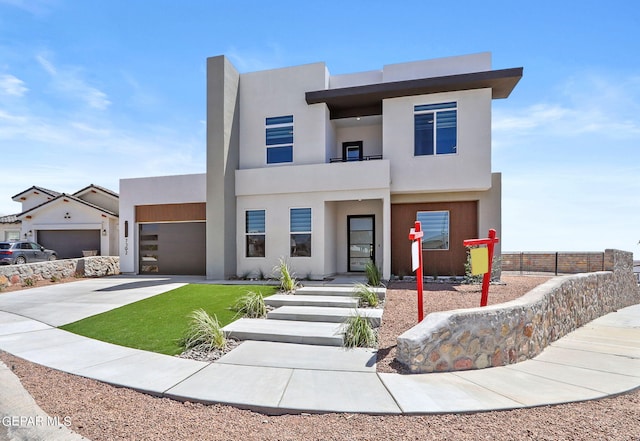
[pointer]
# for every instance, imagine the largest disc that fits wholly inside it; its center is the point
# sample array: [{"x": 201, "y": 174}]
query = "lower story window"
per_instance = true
[
  {"x": 435, "y": 225},
  {"x": 300, "y": 230},
  {"x": 255, "y": 233}
]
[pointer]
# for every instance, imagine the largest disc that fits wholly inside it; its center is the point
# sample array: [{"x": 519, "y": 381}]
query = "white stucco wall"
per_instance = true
[
  {"x": 176, "y": 189},
  {"x": 281, "y": 92},
  {"x": 100, "y": 199},
  {"x": 467, "y": 170},
  {"x": 370, "y": 135},
  {"x": 329, "y": 212},
  {"x": 32, "y": 199},
  {"x": 69, "y": 214},
  {"x": 437, "y": 67}
]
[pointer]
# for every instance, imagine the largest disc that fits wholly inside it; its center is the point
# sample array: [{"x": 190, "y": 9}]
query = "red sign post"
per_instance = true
[
  {"x": 415, "y": 235},
  {"x": 490, "y": 243}
]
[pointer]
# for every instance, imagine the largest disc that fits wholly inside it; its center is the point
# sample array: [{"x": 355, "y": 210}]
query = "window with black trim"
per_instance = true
[
  {"x": 300, "y": 232},
  {"x": 435, "y": 129},
  {"x": 279, "y": 139},
  {"x": 255, "y": 233}
]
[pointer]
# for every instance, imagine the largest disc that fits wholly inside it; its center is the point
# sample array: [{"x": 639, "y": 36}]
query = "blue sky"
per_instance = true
[{"x": 92, "y": 91}]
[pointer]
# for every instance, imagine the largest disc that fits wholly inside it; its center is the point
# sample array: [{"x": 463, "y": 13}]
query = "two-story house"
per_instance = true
[{"x": 331, "y": 171}]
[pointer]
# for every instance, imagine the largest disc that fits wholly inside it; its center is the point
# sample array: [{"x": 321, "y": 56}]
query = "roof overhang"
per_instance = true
[
  {"x": 366, "y": 100},
  {"x": 65, "y": 198}
]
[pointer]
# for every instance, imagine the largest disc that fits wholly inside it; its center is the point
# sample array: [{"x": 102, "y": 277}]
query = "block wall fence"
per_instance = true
[
  {"x": 515, "y": 331},
  {"x": 556, "y": 262},
  {"x": 97, "y": 266}
]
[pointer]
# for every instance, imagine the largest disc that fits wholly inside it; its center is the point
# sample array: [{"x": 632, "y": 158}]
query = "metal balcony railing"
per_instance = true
[{"x": 364, "y": 158}]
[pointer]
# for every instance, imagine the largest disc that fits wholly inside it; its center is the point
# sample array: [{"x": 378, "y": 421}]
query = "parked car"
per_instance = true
[{"x": 24, "y": 252}]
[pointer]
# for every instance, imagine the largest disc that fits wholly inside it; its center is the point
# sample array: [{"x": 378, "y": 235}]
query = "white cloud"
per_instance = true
[
  {"x": 245, "y": 60},
  {"x": 592, "y": 104},
  {"x": 10, "y": 85},
  {"x": 68, "y": 82},
  {"x": 35, "y": 7},
  {"x": 570, "y": 167}
]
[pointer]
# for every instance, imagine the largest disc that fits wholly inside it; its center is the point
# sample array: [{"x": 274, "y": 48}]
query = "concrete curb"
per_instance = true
[{"x": 22, "y": 419}]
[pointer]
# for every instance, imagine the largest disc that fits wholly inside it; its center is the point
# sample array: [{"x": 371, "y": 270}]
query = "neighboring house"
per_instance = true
[
  {"x": 330, "y": 172},
  {"x": 85, "y": 222},
  {"x": 9, "y": 228}
]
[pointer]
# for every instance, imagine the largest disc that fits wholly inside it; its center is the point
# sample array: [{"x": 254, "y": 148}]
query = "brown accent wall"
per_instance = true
[
  {"x": 171, "y": 212},
  {"x": 463, "y": 225}
]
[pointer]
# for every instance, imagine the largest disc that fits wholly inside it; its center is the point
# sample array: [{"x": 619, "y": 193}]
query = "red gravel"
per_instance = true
[{"x": 102, "y": 412}]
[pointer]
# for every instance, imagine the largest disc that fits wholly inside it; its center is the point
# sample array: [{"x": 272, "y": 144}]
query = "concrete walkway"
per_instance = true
[{"x": 600, "y": 359}]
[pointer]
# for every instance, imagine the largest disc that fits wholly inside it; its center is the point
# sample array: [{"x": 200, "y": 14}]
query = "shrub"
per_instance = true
[
  {"x": 288, "y": 282},
  {"x": 359, "y": 333},
  {"x": 366, "y": 295},
  {"x": 54, "y": 279},
  {"x": 373, "y": 274},
  {"x": 28, "y": 281},
  {"x": 251, "y": 305},
  {"x": 204, "y": 331}
]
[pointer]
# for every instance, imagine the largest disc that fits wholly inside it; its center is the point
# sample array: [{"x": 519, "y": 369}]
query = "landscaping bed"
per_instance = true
[
  {"x": 103, "y": 412},
  {"x": 401, "y": 310}
]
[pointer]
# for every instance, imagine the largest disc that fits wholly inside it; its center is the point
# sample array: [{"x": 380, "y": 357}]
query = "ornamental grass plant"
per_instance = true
[
  {"x": 204, "y": 332},
  {"x": 366, "y": 295},
  {"x": 358, "y": 333},
  {"x": 373, "y": 274},
  {"x": 251, "y": 305},
  {"x": 288, "y": 282}
]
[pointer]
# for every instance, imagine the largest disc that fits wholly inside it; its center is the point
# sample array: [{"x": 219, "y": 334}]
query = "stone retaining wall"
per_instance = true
[
  {"x": 514, "y": 331},
  {"x": 97, "y": 266}
]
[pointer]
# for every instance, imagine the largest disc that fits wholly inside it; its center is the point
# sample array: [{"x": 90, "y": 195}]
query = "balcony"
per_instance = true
[
  {"x": 339, "y": 176},
  {"x": 364, "y": 158}
]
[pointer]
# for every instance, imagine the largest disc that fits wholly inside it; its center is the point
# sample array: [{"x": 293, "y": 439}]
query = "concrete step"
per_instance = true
[
  {"x": 324, "y": 314},
  {"x": 286, "y": 331},
  {"x": 336, "y": 291},
  {"x": 278, "y": 300}
]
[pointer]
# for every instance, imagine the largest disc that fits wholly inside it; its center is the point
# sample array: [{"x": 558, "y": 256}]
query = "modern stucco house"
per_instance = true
[
  {"x": 329, "y": 172},
  {"x": 85, "y": 221}
]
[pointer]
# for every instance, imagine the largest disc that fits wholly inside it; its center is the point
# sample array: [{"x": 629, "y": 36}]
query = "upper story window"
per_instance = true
[
  {"x": 435, "y": 129},
  {"x": 279, "y": 139}
]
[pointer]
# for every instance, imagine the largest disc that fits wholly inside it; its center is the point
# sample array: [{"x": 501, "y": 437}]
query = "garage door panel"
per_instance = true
[
  {"x": 173, "y": 248},
  {"x": 69, "y": 244}
]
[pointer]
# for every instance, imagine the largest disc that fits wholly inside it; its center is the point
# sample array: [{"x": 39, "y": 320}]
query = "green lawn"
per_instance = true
[{"x": 157, "y": 323}]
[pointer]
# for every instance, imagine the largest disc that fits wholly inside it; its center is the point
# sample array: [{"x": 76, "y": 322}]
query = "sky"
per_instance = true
[{"x": 94, "y": 91}]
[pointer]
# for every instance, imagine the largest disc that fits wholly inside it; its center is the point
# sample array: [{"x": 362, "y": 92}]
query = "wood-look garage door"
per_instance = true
[
  {"x": 463, "y": 224},
  {"x": 70, "y": 243},
  {"x": 173, "y": 248}
]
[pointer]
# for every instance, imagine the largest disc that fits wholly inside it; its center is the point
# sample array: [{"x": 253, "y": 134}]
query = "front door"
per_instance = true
[{"x": 361, "y": 230}]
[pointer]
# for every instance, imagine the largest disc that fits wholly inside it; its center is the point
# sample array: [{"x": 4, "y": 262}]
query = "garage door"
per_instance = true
[
  {"x": 70, "y": 243},
  {"x": 173, "y": 248}
]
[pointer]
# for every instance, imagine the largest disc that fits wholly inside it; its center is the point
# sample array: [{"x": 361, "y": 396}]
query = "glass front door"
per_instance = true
[{"x": 361, "y": 230}]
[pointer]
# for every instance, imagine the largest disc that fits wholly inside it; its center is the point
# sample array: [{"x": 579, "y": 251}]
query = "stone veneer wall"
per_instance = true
[
  {"x": 96, "y": 266},
  {"x": 514, "y": 331}
]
